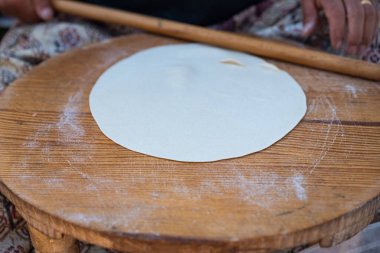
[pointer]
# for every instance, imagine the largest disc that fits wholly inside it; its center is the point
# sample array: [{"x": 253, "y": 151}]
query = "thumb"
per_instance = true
[
  {"x": 310, "y": 17},
  {"x": 43, "y": 9}
]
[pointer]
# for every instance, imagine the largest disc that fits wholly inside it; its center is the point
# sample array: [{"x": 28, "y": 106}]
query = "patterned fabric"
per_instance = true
[
  {"x": 25, "y": 46},
  {"x": 282, "y": 20},
  {"x": 14, "y": 237}
]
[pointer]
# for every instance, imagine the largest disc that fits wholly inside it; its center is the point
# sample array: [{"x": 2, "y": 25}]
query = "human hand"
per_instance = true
[
  {"x": 27, "y": 11},
  {"x": 354, "y": 20}
]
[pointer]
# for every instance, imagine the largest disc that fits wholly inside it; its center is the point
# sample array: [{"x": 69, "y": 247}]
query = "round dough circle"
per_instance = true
[{"x": 196, "y": 103}]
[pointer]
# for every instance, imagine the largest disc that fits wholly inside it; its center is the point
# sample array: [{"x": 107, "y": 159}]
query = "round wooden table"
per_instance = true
[{"x": 321, "y": 183}]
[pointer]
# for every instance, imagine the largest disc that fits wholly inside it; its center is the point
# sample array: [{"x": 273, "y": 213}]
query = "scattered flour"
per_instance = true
[
  {"x": 297, "y": 181},
  {"x": 355, "y": 90},
  {"x": 133, "y": 217},
  {"x": 81, "y": 218},
  {"x": 67, "y": 124},
  {"x": 312, "y": 106},
  {"x": 330, "y": 135},
  {"x": 253, "y": 187},
  {"x": 352, "y": 90}
]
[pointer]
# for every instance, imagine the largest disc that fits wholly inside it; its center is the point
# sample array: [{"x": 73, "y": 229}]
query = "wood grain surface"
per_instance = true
[{"x": 321, "y": 183}]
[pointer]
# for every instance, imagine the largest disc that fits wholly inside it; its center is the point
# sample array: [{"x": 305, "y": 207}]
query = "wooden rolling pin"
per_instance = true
[{"x": 260, "y": 47}]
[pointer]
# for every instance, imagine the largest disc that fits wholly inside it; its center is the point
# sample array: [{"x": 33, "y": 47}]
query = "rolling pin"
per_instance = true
[{"x": 248, "y": 44}]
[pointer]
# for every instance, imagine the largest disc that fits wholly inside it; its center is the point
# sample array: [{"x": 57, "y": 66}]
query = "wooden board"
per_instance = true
[{"x": 321, "y": 183}]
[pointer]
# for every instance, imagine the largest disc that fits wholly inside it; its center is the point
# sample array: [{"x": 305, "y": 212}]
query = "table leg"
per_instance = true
[{"x": 44, "y": 244}]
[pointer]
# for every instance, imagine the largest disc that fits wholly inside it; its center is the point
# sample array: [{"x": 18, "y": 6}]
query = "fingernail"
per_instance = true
[
  {"x": 46, "y": 13},
  {"x": 307, "y": 29},
  {"x": 339, "y": 45}
]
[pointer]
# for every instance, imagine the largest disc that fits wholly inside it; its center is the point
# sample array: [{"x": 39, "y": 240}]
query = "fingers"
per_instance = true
[
  {"x": 310, "y": 17},
  {"x": 336, "y": 16},
  {"x": 21, "y": 9},
  {"x": 27, "y": 11},
  {"x": 356, "y": 18},
  {"x": 353, "y": 20},
  {"x": 43, "y": 9},
  {"x": 377, "y": 22},
  {"x": 369, "y": 27}
]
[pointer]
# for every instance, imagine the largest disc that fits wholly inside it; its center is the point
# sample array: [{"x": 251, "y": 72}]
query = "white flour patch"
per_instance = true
[
  {"x": 355, "y": 90},
  {"x": 25, "y": 177},
  {"x": 262, "y": 189},
  {"x": 254, "y": 187},
  {"x": 297, "y": 182},
  {"x": 330, "y": 136},
  {"x": 185, "y": 191},
  {"x": 81, "y": 218},
  {"x": 91, "y": 187},
  {"x": 209, "y": 187},
  {"x": 67, "y": 123},
  {"x": 251, "y": 187},
  {"x": 68, "y": 129},
  {"x": 352, "y": 90},
  {"x": 312, "y": 106},
  {"x": 53, "y": 180},
  {"x": 34, "y": 142},
  {"x": 68, "y": 126},
  {"x": 132, "y": 218}
]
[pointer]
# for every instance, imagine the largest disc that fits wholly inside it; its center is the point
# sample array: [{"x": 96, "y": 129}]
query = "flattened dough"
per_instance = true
[{"x": 196, "y": 103}]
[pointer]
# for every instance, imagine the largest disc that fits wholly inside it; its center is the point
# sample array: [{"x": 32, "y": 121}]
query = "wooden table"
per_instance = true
[{"x": 321, "y": 183}]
